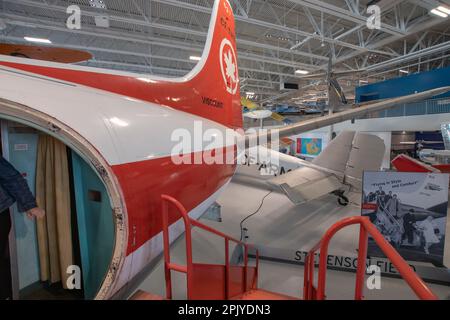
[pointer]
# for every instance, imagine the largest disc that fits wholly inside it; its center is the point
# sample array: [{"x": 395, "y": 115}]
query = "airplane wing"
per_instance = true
[
  {"x": 306, "y": 183},
  {"x": 347, "y": 156},
  {"x": 316, "y": 123},
  {"x": 341, "y": 164}
]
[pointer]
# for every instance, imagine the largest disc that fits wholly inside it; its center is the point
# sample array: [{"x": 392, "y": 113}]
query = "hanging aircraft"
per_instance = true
[
  {"x": 121, "y": 123},
  {"x": 45, "y": 53},
  {"x": 430, "y": 160},
  {"x": 257, "y": 112}
]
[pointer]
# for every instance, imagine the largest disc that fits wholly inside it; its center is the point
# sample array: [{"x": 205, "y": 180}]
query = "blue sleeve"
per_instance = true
[{"x": 12, "y": 181}]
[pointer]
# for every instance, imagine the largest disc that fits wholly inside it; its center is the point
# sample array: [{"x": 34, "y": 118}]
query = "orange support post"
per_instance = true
[
  {"x": 167, "y": 265},
  {"x": 361, "y": 267}
]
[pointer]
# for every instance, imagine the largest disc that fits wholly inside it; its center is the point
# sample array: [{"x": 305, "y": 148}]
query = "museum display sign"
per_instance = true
[{"x": 410, "y": 210}]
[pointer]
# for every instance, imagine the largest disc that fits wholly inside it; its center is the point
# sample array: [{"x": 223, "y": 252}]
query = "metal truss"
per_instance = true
[{"x": 275, "y": 37}]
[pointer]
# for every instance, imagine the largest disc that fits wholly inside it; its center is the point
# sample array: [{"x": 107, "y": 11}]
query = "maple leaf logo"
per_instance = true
[{"x": 230, "y": 66}]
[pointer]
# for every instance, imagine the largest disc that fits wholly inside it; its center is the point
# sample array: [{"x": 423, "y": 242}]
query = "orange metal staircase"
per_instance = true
[
  {"x": 208, "y": 281},
  {"x": 232, "y": 282},
  {"x": 310, "y": 292}
]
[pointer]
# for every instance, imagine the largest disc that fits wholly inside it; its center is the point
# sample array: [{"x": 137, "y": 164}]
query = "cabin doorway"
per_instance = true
[{"x": 78, "y": 231}]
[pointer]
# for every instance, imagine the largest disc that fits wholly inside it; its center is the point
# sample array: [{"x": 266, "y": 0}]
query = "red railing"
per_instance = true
[
  {"x": 366, "y": 228},
  {"x": 199, "y": 286}
]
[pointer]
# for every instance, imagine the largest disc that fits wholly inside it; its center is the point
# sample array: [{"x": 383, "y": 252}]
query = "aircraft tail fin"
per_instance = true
[
  {"x": 343, "y": 160},
  {"x": 335, "y": 155},
  {"x": 210, "y": 90},
  {"x": 352, "y": 153},
  {"x": 216, "y": 76}
]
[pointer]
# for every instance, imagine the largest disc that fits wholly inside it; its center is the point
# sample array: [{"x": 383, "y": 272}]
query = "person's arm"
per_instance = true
[{"x": 12, "y": 181}]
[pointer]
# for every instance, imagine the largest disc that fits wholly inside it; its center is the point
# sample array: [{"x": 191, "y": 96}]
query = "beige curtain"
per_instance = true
[{"x": 53, "y": 195}]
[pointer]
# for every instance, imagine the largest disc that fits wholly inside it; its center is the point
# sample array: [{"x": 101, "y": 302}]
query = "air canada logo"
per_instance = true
[{"x": 228, "y": 65}]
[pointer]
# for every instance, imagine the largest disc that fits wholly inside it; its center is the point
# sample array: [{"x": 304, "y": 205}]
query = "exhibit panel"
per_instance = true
[{"x": 410, "y": 210}]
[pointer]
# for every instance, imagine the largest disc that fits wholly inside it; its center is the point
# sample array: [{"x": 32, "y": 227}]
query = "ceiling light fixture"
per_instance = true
[
  {"x": 439, "y": 13},
  {"x": 195, "y": 58},
  {"x": 444, "y": 9},
  {"x": 403, "y": 71},
  {"x": 38, "y": 40},
  {"x": 301, "y": 72}
]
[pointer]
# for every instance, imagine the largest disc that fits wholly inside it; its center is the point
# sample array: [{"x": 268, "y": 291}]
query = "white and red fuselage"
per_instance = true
[{"x": 122, "y": 124}]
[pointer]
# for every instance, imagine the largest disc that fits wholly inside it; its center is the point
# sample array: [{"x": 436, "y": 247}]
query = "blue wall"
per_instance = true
[{"x": 404, "y": 85}]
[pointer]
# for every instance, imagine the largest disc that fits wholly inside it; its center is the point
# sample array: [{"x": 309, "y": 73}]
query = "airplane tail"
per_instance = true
[
  {"x": 216, "y": 76},
  {"x": 210, "y": 90},
  {"x": 343, "y": 160},
  {"x": 351, "y": 153}
]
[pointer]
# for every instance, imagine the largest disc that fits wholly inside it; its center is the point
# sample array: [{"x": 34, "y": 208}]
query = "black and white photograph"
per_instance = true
[{"x": 410, "y": 210}]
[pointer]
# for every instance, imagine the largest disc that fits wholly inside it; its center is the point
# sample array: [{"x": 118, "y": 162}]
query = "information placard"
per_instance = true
[{"x": 410, "y": 210}]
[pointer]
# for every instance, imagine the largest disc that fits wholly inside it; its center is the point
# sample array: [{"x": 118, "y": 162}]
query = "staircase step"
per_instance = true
[{"x": 258, "y": 294}]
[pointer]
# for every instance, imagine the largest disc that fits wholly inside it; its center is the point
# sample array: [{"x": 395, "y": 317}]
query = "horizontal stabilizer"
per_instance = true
[{"x": 305, "y": 184}]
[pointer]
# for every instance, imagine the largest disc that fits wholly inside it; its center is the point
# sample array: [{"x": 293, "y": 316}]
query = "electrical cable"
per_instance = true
[{"x": 252, "y": 214}]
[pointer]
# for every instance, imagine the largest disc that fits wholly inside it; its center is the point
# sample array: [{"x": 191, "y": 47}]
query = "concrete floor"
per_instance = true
[{"x": 280, "y": 224}]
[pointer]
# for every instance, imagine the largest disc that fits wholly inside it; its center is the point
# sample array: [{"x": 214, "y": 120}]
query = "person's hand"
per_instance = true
[{"x": 35, "y": 212}]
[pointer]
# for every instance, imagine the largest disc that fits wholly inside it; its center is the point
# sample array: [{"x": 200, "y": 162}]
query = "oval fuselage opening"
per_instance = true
[{"x": 76, "y": 251}]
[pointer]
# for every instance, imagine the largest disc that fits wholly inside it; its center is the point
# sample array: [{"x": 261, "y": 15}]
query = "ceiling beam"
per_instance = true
[
  {"x": 442, "y": 47},
  {"x": 345, "y": 14},
  {"x": 147, "y": 55},
  {"x": 266, "y": 24},
  {"x": 15, "y": 20},
  {"x": 261, "y": 23},
  {"x": 173, "y": 28},
  {"x": 417, "y": 27}
]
